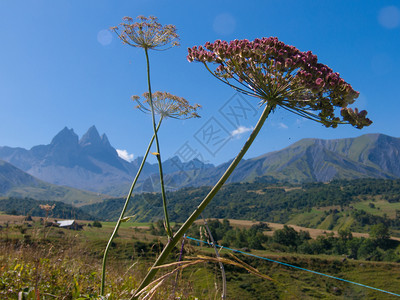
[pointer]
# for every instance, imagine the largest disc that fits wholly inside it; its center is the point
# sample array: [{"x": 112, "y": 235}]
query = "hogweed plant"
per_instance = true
[
  {"x": 165, "y": 106},
  {"x": 148, "y": 34},
  {"x": 145, "y": 33},
  {"x": 277, "y": 75}
]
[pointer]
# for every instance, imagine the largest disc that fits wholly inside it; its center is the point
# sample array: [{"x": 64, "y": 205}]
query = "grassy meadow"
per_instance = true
[{"x": 40, "y": 262}]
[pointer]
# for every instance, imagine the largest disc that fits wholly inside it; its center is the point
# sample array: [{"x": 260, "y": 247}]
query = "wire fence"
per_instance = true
[{"x": 293, "y": 266}]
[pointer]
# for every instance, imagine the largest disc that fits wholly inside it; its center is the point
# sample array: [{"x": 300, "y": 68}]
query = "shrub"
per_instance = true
[{"x": 97, "y": 224}]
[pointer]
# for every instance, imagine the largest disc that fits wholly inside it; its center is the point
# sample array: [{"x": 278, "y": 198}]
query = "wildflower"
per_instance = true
[
  {"x": 147, "y": 33},
  {"x": 47, "y": 207},
  {"x": 283, "y": 76},
  {"x": 168, "y": 106},
  {"x": 279, "y": 75}
]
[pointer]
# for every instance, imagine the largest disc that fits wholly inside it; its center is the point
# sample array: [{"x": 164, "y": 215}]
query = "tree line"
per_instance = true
[{"x": 378, "y": 247}]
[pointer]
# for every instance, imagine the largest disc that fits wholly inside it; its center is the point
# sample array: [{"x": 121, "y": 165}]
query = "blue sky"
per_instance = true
[{"x": 60, "y": 66}]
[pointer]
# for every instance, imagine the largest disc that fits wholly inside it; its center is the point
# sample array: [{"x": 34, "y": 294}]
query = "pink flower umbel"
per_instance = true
[
  {"x": 283, "y": 76},
  {"x": 278, "y": 75}
]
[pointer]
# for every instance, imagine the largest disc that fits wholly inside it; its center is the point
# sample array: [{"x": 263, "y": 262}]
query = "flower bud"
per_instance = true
[
  {"x": 288, "y": 63},
  {"x": 320, "y": 83}
]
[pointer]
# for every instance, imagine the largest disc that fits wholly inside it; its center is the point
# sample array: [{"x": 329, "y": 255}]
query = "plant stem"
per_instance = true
[
  {"x": 103, "y": 269},
  {"x": 221, "y": 266},
  {"x": 177, "y": 273},
  {"x": 158, "y": 154},
  {"x": 178, "y": 235}
]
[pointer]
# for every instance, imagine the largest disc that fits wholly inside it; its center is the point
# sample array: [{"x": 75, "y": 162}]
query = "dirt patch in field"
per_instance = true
[
  {"x": 314, "y": 233},
  {"x": 11, "y": 219},
  {"x": 139, "y": 227}
]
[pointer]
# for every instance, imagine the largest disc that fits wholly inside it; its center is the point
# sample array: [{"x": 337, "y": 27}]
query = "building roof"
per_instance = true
[{"x": 66, "y": 223}]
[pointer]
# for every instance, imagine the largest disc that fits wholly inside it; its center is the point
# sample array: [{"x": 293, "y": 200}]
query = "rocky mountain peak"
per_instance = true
[
  {"x": 91, "y": 137},
  {"x": 65, "y": 137},
  {"x": 105, "y": 141}
]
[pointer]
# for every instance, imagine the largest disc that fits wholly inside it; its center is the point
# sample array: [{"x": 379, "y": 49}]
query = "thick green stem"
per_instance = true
[
  {"x": 103, "y": 269},
  {"x": 158, "y": 154},
  {"x": 178, "y": 235}
]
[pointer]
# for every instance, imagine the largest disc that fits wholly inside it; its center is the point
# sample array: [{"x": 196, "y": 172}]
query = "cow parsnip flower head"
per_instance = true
[
  {"x": 283, "y": 76},
  {"x": 147, "y": 33},
  {"x": 167, "y": 105},
  {"x": 47, "y": 207}
]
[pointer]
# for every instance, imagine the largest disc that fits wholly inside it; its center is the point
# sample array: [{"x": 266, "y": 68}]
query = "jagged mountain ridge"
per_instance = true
[
  {"x": 70, "y": 161},
  {"x": 91, "y": 163}
]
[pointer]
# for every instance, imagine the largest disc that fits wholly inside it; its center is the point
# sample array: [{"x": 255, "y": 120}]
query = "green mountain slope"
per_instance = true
[
  {"x": 16, "y": 183},
  {"x": 324, "y": 160},
  {"x": 310, "y": 160}
]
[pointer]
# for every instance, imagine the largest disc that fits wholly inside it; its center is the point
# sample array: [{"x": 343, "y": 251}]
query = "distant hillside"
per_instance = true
[
  {"x": 264, "y": 200},
  {"x": 310, "y": 160},
  {"x": 28, "y": 206},
  {"x": 11, "y": 177},
  {"x": 16, "y": 183}
]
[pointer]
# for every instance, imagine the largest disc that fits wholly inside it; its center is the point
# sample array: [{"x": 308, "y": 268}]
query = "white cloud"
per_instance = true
[
  {"x": 282, "y": 125},
  {"x": 240, "y": 130},
  {"x": 125, "y": 155}
]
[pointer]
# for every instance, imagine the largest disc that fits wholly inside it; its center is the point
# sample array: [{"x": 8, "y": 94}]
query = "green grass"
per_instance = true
[
  {"x": 69, "y": 265},
  {"x": 309, "y": 219},
  {"x": 317, "y": 217},
  {"x": 344, "y": 223},
  {"x": 381, "y": 207}
]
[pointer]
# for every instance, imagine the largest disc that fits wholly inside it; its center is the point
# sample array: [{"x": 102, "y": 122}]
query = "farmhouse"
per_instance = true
[{"x": 69, "y": 224}]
